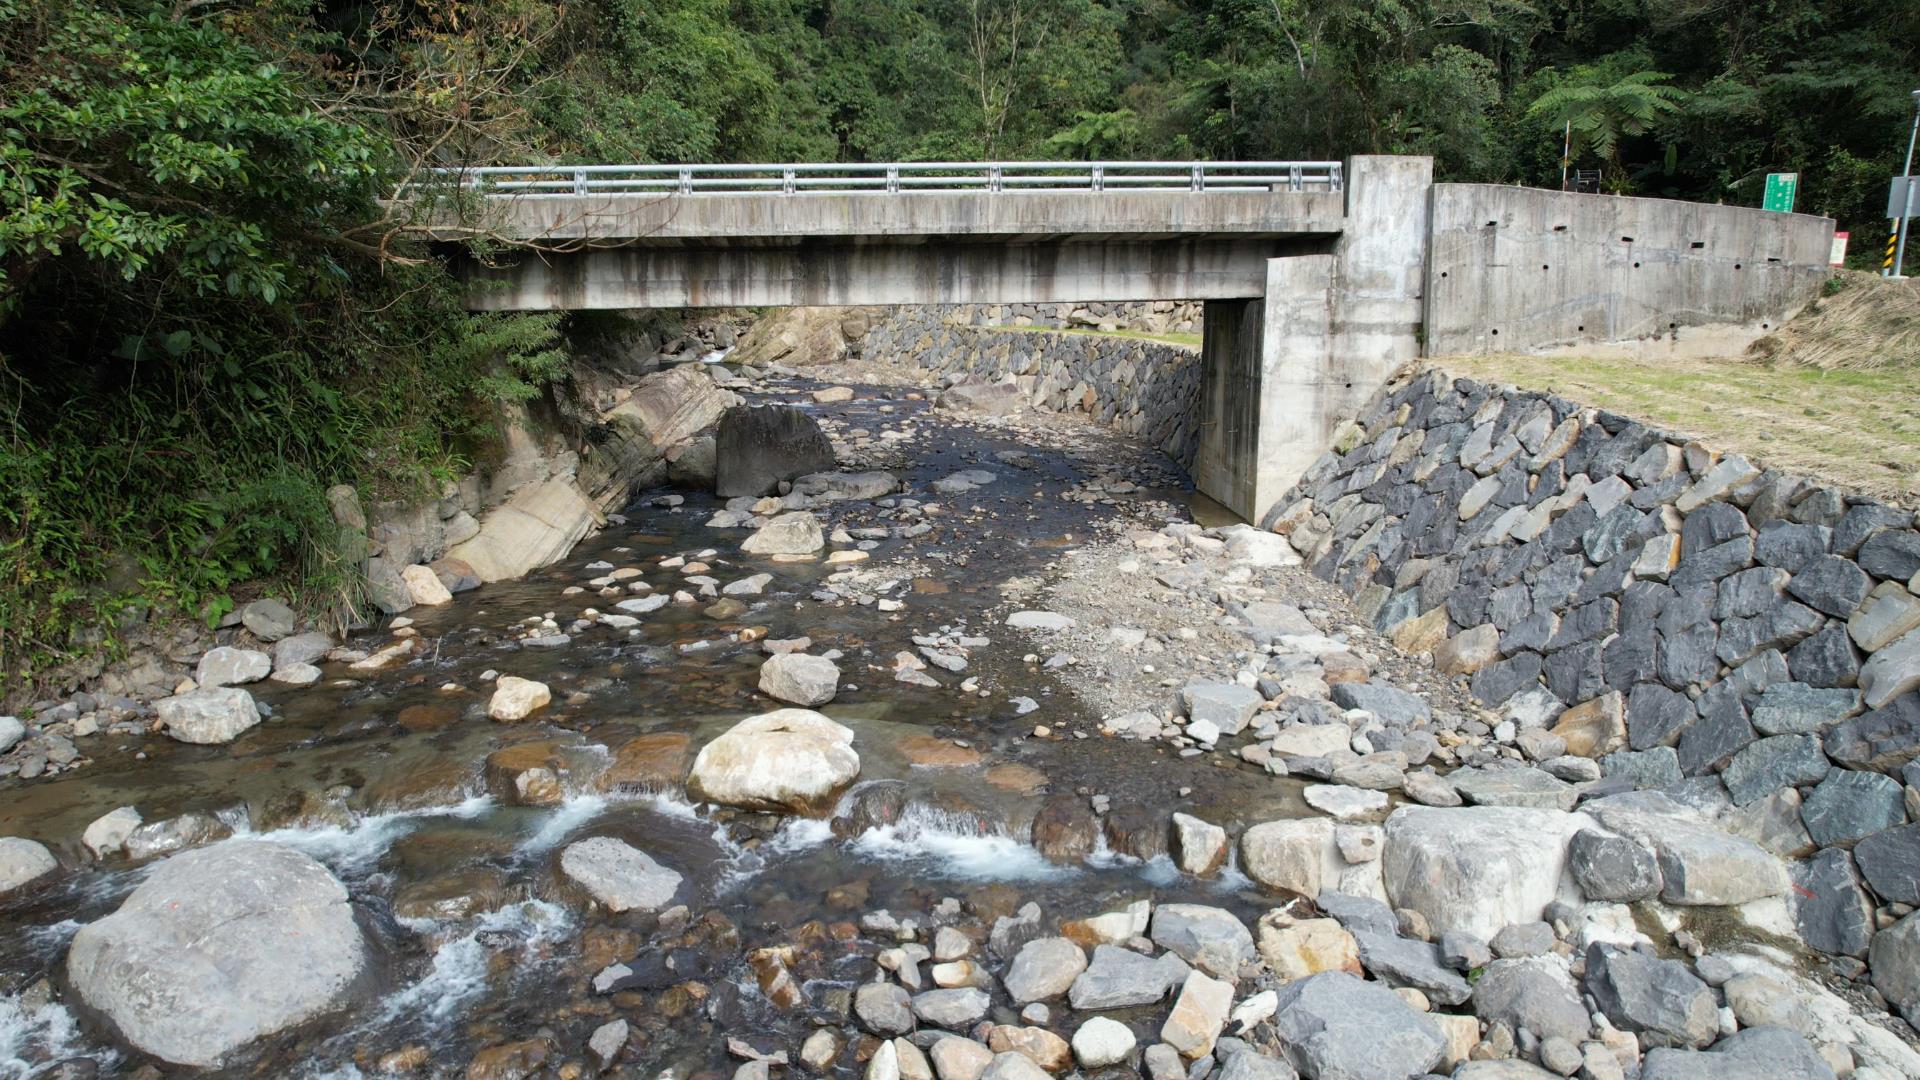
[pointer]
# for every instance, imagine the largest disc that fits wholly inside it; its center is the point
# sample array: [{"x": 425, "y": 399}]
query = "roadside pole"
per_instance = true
[{"x": 1897, "y": 254}]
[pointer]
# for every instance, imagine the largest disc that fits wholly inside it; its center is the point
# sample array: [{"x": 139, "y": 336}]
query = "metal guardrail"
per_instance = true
[{"x": 822, "y": 179}]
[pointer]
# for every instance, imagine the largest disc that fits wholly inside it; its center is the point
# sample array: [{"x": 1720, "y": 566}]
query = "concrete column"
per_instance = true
[
  {"x": 1285, "y": 371},
  {"x": 1379, "y": 276},
  {"x": 1265, "y": 391}
]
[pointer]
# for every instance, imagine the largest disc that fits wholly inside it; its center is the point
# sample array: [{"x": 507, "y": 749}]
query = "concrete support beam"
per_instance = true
[
  {"x": 846, "y": 274},
  {"x": 1379, "y": 277},
  {"x": 606, "y": 220},
  {"x": 1267, "y": 371}
]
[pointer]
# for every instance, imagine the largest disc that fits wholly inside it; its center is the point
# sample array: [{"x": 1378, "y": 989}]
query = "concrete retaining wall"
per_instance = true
[
  {"x": 1145, "y": 388},
  {"x": 1518, "y": 270},
  {"x": 1745, "y": 639}
]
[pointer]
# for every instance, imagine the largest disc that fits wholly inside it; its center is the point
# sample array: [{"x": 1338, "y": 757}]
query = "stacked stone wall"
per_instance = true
[
  {"x": 1154, "y": 317},
  {"x": 1148, "y": 389},
  {"x": 1744, "y": 639}
]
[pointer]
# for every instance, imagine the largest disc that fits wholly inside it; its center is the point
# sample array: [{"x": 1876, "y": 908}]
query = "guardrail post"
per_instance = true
[
  {"x": 579, "y": 181},
  {"x": 993, "y": 178},
  {"x": 1334, "y": 179},
  {"x": 1295, "y": 180},
  {"x": 1099, "y": 178},
  {"x": 893, "y": 179},
  {"x": 787, "y": 186},
  {"x": 1199, "y": 182},
  {"x": 686, "y": 181}
]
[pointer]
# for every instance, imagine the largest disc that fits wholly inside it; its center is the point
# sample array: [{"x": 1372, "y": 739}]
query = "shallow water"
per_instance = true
[{"x": 401, "y": 813}]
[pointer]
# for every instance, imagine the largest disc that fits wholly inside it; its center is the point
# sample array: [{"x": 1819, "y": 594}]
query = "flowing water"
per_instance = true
[{"x": 477, "y": 940}]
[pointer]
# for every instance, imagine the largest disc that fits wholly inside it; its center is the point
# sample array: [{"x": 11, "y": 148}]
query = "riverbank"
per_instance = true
[{"x": 992, "y": 840}]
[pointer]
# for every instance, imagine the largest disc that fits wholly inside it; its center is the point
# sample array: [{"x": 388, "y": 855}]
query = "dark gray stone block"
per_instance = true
[
  {"x": 1831, "y": 910},
  {"x": 1795, "y": 708},
  {"x": 1721, "y": 732},
  {"x": 1711, "y": 525},
  {"x": 1656, "y": 716},
  {"x": 1783, "y": 626},
  {"x": 1644, "y": 769},
  {"x": 1865, "y": 521},
  {"x": 1884, "y": 740},
  {"x": 1494, "y": 684},
  {"x": 1830, "y": 584},
  {"x": 1590, "y": 622},
  {"x": 1612, "y": 868},
  {"x": 1714, "y": 563},
  {"x": 1390, "y": 704},
  {"x": 1850, "y": 805},
  {"x": 1631, "y": 659},
  {"x": 1750, "y": 592},
  {"x": 1575, "y": 674},
  {"x": 1790, "y": 546},
  {"x": 1826, "y": 658},
  {"x": 1767, "y": 765},
  {"x": 1890, "y": 861},
  {"x": 1660, "y": 1000},
  {"x": 1609, "y": 537},
  {"x": 1530, "y": 634},
  {"x": 1894, "y": 555}
]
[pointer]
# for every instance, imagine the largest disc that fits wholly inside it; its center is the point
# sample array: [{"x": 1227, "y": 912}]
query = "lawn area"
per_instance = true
[{"x": 1860, "y": 428}]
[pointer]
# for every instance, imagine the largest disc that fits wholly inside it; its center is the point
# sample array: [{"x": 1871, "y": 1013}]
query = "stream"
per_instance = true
[{"x": 384, "y": 778}]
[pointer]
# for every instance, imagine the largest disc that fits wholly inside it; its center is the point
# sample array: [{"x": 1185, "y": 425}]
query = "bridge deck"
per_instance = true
[
  {"x": 717, "y": 206},
  {"x": 726, "y": 220}
]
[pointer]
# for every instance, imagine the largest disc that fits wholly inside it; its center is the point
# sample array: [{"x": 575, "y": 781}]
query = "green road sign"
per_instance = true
[{"x": 1780, "y": 190}]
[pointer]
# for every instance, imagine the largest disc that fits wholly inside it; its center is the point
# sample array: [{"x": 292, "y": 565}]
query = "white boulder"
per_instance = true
[
  {"x": 788, "y": 759},
  {"x": 800, "y": 679},
  {"x": 620, "y": 876},
  {"x": 515, "y": 698},
  {"x": 1478, "y": 869},
  {"x": 217, "y": 948},
  {"x": 208, "y": 717}
]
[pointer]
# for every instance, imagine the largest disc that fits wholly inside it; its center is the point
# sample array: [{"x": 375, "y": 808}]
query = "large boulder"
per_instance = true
[
  {"x": 789, "y": 760},
  {"x": 826, "y": 487},
  {"x": 208, "y": 717},
  {"x": 799, "y": 679},
  {"x": 756, "y": 448},
  {"x": 540, "y": 524},
  {"x": 1477, "y": 868},
  {"x": 619, "y": 875},
  {"x": 979, "y": 397},
  {"x": 1209, "y": 938},
  {"x": 217, "y": 948},
  {"x": 228, "y": 666},
  {"x": 22, "y": 862},
  {"x": 1334, "y": 1025},
  {"x": 1659, "y": 1000},
  {"x": 1700, "y": 866},
  {"x": 1773, "y": 1052},
  {"x": 800, "y": 336},
  {"x": 1536, "y": 994},
  {"x": 789, "y": 534}
]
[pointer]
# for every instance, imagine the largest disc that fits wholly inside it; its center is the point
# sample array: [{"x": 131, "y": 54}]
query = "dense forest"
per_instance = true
[{"x": 207, "y": 316}]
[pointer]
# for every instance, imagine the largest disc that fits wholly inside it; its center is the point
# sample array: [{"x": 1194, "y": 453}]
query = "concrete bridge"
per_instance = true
[{"x": 1314, "y": 274}]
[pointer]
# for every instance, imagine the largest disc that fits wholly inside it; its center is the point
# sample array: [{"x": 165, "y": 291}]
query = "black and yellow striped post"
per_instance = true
[{"x": 1893, "y": 238}]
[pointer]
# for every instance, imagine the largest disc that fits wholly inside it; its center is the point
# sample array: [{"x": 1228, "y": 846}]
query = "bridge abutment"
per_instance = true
[{"x": 1284, "y": 369}]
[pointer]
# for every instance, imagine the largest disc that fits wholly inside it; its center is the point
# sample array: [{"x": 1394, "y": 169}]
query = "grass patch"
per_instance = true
[
  {"x": 1189, "y": 341},
  {"x": 1855, "y": 427}
]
